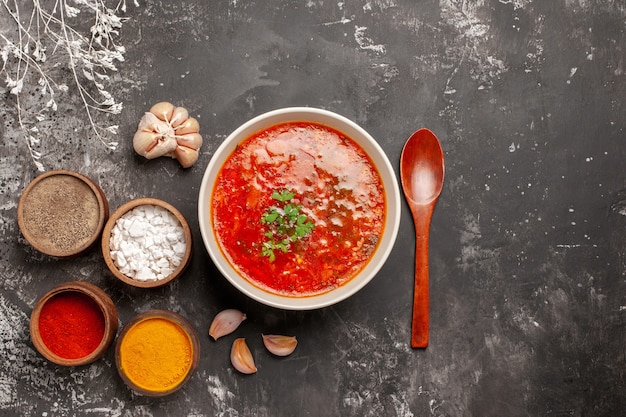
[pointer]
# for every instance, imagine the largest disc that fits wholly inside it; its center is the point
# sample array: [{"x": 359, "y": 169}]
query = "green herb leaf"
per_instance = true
[
  {"x": 286, "y": 224},
  {"x": 282, "y": 196},
  {"x": 268, "y": 250},
  {"x": 269, "y": 216},
  {"x": 291, "y": 211}
]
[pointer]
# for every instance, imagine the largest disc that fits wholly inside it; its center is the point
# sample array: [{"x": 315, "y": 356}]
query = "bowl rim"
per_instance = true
[
  {"x": 106, "y": 239},
  {"x": 350, "y": 129}
]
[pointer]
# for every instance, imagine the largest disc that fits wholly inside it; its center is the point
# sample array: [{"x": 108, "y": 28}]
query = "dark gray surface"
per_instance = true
[{"x": 528, "y": 248}]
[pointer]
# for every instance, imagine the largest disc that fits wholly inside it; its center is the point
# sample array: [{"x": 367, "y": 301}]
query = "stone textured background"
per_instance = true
[{"x": 528, "y": 247}]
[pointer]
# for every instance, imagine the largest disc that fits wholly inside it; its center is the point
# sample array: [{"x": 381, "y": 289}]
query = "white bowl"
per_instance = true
[{"x": 348, "y": 128}]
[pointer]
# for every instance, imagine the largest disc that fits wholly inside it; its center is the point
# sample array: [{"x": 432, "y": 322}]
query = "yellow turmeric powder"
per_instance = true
[{"x": 156, "y": 354}]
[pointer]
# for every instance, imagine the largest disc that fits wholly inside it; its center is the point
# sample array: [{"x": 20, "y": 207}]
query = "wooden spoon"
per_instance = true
[{"x": 421, "y": 173}]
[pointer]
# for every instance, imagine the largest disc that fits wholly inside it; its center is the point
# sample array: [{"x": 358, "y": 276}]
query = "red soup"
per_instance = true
[{"x": 298, "y": 209}]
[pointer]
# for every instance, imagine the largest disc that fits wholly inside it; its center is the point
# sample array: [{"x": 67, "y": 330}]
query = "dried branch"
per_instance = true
[{"x": 51, "y": 41}]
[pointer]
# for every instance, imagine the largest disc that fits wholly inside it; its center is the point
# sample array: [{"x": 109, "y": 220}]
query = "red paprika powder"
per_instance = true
[{"x": 71, "y": 325}]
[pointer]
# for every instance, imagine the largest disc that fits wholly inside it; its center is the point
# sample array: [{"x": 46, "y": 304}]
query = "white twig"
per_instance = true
[{"x": 37, "y": 51}]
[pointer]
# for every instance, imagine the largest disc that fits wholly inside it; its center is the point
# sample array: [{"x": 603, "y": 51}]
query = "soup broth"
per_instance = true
[{"x": 322, "y": 176}]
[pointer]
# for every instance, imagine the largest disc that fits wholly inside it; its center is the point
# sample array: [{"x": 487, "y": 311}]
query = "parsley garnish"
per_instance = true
[{"x": 286, "y": 224}]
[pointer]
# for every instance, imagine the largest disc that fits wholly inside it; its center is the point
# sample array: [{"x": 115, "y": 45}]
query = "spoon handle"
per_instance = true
[{"x": 421, "y": 308}]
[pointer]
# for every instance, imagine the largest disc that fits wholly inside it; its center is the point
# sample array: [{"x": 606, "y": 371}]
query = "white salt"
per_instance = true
[{"x": 147, "y": 243}]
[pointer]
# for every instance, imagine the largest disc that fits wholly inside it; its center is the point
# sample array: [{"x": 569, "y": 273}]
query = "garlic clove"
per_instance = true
[
  {"x": 152, "y": 145},
  {"x": 149, "y": 122},
  {"x": 179, "y": 115},
  {"x": 191, "y": 125},
  {"x": 143, "y": 142},
  {"x": 241, "y": 357},
  {"x": 163, "y": 111},
  {"x": 280, "y": 345},
  {"x": 186, "y": 156},
  {"x": 191, "y": 140},
  {"x": 226, "y": 322}
]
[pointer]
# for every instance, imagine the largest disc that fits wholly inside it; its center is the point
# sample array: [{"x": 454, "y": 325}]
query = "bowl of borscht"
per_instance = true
[{"x": 299, "y": 208}]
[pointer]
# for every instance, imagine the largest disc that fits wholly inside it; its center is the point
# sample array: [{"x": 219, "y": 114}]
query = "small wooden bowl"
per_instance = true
[
  {"x": 61, "y": 213},
  {"x": 148, "y": 349},
  {"x": 106, "y": 242},
  {"x": 93, "y": 294}
]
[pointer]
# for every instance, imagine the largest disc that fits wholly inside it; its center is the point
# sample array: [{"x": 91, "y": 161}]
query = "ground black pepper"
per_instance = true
[{"x": 61, "y": 213}]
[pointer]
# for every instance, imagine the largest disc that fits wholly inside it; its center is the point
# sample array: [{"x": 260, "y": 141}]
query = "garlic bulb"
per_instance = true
[
  {"x": 241, "y": 357},
  {"x": 225, "y": 322},
  {"x": 167, "y": 130},
  {"x": 280, "y": 345}
]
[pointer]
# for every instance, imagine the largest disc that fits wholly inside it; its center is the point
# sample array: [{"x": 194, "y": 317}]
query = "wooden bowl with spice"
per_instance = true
[
  {"x": 157, "y": 352},
  {"x": 61, "y": 213},
  {"x": 147, "y": 243},
  {"x": 73, "y": 324}
]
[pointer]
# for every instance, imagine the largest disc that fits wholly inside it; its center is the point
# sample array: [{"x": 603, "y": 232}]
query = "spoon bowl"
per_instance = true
[{"x": 421, "y": 173}]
